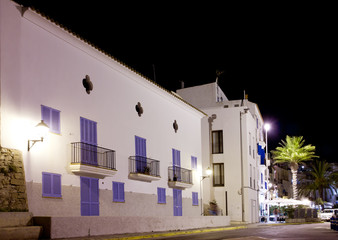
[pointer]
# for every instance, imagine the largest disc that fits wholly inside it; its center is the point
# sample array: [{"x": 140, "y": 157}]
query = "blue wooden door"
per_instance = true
[
  {"x": 89, "y": 141},
  {"x": 141, "y": 154},
  {"x": 177, "y": 164},
  {"x": 177, "y": 193},
  {"x": 90, "y": 203}
]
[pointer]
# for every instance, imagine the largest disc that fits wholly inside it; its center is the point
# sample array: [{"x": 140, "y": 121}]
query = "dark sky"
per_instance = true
[{"x": 284, "y": 57}]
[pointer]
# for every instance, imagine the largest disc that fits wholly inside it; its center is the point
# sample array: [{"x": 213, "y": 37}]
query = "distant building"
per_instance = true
[{"x": 233, "y": 146}]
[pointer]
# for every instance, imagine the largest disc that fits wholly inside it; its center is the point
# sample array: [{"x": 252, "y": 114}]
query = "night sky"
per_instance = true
[{"x": 284, "y": 57}]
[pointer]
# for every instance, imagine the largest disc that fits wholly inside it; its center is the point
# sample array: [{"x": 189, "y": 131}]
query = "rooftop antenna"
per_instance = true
[{"x": 218, "y": 74}]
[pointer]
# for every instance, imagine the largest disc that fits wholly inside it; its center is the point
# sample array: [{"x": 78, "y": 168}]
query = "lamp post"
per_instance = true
[
  {"x": 267, "y": 127},
  {"x": 208, "y": 172}
]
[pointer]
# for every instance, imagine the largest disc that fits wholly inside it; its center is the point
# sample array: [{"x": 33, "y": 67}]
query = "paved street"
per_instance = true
[{"x": 319, "y": 231}]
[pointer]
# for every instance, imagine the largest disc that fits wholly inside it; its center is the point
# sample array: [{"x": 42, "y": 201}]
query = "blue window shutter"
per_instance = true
[
  {"x": 115, "y": 191},
  {"x": 177, "y": 194},
  {"x": 140, "y": 153},
  {"x": 51, "y": 185},
  {"x": 94, "y": 197},
  {"x": 51, "y": 117},
  {"x": 195, "y": 198},
  {"x": 90, "y": 203},
  {"x": 46, "y": 184},
  {"x": 56, "y": 178},
  {"x": 193, "y": 162},
  {"x": 161, "y": 197},
  {"x": 85, "y": 196},
  {"x": 55, "y": 121},
  {"x": 88, "y": 131},
  {"x": 121, "y": 192},
  {"x": 45, "y": 115},
  {"x": 118, "y": 192}
]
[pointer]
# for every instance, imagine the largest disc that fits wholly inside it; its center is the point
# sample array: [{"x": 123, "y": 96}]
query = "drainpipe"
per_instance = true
[{"x": 242, "y": 167}]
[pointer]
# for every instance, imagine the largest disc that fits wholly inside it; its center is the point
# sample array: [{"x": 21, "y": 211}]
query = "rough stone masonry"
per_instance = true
[{"x": 13, "y": 197}]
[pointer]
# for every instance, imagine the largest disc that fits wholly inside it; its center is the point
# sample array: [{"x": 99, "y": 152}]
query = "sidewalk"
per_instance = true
[{"x": 135, "y": 236}]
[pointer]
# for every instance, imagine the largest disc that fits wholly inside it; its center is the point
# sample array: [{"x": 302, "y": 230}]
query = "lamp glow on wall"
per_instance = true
[
  {"x": 42, "y": 130},
  {"x": 208, "y": 172}
]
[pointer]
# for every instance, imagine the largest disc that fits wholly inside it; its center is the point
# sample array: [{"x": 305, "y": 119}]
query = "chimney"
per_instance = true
[{"x": 182, "y": 84}]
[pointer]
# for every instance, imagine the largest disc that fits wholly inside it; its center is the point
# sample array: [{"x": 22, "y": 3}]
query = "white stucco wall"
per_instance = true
[{"x": 43, "y": 64}]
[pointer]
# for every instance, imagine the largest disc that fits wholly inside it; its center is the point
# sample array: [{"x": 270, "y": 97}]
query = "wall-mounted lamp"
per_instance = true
[
  {"x": 208, "y": 172},
  {"x": 42, "y": 129}
]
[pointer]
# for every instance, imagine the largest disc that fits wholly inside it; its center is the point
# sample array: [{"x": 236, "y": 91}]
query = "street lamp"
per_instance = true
[
  {"x": 42, "y": 129},
  {"x": 267, "y": 127},
  {"x": 208, "y": 172}
]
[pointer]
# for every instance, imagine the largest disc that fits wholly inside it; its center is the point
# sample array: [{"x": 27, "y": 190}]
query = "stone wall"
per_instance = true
[{"x": 13, "y": 197}]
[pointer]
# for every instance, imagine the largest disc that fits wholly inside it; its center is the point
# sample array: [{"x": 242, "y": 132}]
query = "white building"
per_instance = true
[
  {"x": 232, "y": 146},
  {"x": 118, "y": 144}
]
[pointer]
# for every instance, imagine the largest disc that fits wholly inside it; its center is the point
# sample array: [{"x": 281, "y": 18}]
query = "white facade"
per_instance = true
[
  {"x": 240, "y": 124},
  {"x": 42, "y": 64}
]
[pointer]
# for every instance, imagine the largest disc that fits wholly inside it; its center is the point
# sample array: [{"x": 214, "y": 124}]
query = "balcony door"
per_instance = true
[
  {"x": 88, "y": 141},
  {"x": 177, "y": 202},
  {"x": 177, "y": 164},
  {"x": 140, "y": 154}
]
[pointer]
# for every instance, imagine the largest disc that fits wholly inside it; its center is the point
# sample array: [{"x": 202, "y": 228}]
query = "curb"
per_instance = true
[{"x": 170, "y": 234}]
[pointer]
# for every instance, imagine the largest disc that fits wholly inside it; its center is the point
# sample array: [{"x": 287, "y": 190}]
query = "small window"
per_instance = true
[
  {"x": 51, "y": 185},
  {"x": 217, "y": 142},
  {"x": 193, "y": 163},
  {"x": 218, "y": 174},
  {"x": 118, "y": 192},
  {"x": 51, "y": 117},
  {"x": 161, "y": 197},
  {"x": 195, "y": 198}
]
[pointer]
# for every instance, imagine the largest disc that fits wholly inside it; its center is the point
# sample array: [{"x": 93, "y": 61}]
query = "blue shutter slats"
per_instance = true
[
  {"x": 90, "y": 203},
  {"x": 161, "y": 197},
  {"x": 141, "y": 154},
  {"x": 195, "y": 198},
  {"x": 118, "y": 192},
  {"x": 51, "y": 185},
  {"x": 177, "y": 193},
  {"x": 88, "y": 130},
  {"x": 51, "y": 117}
]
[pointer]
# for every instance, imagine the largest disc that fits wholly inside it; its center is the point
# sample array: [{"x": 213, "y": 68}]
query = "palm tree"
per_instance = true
[
  {"x": 319, "y": 180},
  {"x": 293, "y": 152}
]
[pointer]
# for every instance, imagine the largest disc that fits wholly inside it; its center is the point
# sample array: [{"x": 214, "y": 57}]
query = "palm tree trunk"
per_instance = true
[{"x": 294, "y": 182}]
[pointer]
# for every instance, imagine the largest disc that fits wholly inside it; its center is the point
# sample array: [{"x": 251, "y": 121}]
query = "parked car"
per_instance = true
[{"x": 326, "y": 214}]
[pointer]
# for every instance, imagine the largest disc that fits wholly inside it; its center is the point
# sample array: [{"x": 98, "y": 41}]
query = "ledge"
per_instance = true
[
  {"x": 180, "y": 185},
  {"x": 91, "y": 171},
  {"x": 143, "y": 177}
]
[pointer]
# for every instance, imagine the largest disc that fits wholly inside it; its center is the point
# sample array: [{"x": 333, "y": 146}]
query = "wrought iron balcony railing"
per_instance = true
[
  {"x": 178, "y": 174},
  {"x": 92, "y": 155},
  {"x": 143, "y": 165}
]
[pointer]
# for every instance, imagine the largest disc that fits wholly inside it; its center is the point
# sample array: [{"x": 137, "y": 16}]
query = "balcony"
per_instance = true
[
  {"x": 92, "y": 161},
  {"x": 179, "y": 177},
  {"x": 144, "y": 169}
]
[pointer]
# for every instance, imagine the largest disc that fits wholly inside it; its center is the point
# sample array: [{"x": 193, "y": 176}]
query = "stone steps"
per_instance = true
[{"x": 18, "y": 225}]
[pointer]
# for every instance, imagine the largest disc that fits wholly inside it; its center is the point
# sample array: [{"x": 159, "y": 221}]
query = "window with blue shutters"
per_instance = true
[
  {"x": 195, "y": 198},
  {"x": 161, "y": 197},
  {"x": 118, "y": 192},
  {"x": 51, "y": 185},
  {"x": 141, "y": 154},
  {"x": 177, "y": 197},
  {"x": 88, "y": 131},
  {"x": 90, "y": 202},
  {"x": 51, "y": 117}
]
